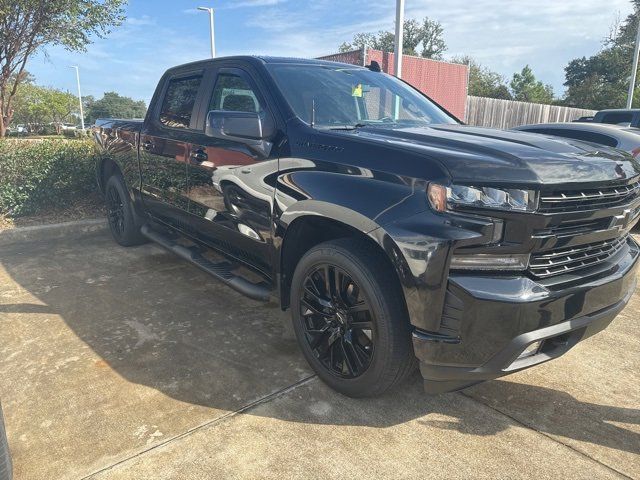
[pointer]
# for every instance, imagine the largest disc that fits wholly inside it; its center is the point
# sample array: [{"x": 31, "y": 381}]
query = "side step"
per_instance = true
[{"x": 221, "y": 270}]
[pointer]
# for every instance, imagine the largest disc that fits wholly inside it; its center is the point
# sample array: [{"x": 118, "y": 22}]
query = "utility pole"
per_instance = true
[
  {"x": 397, "y": 58},
  {"x": 399, "y": 38},
  {"x": 79, "y": 95},
  {"x": 632, "y": 83},
  {"x": 211, "y": 30}
]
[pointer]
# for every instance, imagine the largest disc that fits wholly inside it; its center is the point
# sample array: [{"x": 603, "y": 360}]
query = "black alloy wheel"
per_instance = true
[
  {"x": 338, "y": 322},
  {"x": 123, "y": 221},
  {"x": 349, "y": 317},
  {"x": 115, "y": 211}
]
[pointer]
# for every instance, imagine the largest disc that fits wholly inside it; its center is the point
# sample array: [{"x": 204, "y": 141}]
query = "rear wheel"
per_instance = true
[
  {"x": 349, "y": 318},
  {"x": 123, "y": 222}
]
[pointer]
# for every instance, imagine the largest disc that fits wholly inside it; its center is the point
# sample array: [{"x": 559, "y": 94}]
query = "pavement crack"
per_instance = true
[
  {"x": 550, "y": 437},
  {"x": 245, "y": 408}
]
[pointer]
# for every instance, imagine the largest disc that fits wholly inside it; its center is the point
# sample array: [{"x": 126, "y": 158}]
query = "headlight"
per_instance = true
[
  {"x": 446, "y": 198},
  {"x": 483, "y": 261}
]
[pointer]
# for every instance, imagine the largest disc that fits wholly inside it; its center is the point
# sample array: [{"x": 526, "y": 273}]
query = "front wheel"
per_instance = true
[{"x": 349, "y": 318}]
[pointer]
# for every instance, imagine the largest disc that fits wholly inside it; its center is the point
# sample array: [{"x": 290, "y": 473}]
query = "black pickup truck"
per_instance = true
[{"x": 396, "y": 235}]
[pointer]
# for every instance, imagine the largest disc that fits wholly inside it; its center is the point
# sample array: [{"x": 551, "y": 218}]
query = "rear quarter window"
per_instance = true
[
  {"x": 617, "y": 117},
  {"x": 179, "y": 100}
]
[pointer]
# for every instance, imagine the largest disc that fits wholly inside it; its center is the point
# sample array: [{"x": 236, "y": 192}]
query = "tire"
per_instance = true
[
  {"x": 365, "y": 322},
  {"x": 5, "y": 458},
  {"x": 123, "y": 221}
]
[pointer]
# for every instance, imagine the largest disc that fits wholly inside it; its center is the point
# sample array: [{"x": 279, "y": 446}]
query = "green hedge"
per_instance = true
[{"x": 39, "y": 174}]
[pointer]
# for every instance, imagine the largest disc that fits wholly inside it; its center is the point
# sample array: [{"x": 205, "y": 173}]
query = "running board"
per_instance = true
[{"x": 220, "y": 270}]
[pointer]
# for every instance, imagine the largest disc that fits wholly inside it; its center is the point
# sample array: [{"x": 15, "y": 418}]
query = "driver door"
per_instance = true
[{"x": 230, "y": 196}]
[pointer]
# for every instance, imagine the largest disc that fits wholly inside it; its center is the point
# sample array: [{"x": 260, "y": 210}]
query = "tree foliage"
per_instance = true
[
  {"x": 38, "y": 106},
  {"x": 112, "y": 105},
  {"x": 484, "y": 82},
  {"x": 602, "y": 80},
  {"x": 28, "y": 25},
  {"x": 526, "y": 88},
  {"x": 424, "y": 39}
]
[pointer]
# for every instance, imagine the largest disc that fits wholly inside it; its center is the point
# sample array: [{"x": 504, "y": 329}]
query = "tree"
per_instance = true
[
  {"x": 433, "y": 45},
  {"x": 602, "y": 80},
  {"x": 38, "y": 106},
  {"x": 484, "y": 82},
  {"x": 429, "y": 34},
  {"x": 526, "y": 88},
  {"x": 112, "y": 105},
  {"x": 28, "y": 25}
]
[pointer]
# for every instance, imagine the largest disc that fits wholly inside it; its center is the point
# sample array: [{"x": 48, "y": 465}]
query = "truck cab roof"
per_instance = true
[{"x": 259, "y": 59}]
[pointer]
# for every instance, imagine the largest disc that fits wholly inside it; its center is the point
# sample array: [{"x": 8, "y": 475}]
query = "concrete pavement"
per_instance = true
[{"x": 129, "y": 363}]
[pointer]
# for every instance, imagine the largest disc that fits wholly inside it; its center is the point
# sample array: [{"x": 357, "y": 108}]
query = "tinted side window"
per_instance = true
[
  {"x": 618, "y": 117},
  {"x": 233, "y": 93},
  {"x": 579, "y": 135},
  {"x": 178, "y": 101}
]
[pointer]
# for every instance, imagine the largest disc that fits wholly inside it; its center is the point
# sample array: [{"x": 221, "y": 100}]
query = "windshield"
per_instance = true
[{"x": 344, "y": 97}]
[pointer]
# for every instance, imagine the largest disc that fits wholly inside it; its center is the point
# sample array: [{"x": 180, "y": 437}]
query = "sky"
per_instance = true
[{"x": 504, "y": 35}]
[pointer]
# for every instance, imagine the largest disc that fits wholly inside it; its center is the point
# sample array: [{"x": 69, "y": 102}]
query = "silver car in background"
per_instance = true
[{"x": 621, "y": 137}]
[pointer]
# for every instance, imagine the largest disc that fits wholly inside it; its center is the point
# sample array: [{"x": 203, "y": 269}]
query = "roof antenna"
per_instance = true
[
  {"x": 313, "y": 112},
  {"x": 374, "y": 66}
]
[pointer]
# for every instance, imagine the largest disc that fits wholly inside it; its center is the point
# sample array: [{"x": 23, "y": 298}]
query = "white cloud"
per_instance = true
[
  {"x": 252, "y": 3},
  {"x": 143, "y": 20},
  {"x": 503, "y": 34}
]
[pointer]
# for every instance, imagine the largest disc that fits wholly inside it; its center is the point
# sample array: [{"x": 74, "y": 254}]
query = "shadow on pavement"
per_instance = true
[{"x": 158, "y": 322}]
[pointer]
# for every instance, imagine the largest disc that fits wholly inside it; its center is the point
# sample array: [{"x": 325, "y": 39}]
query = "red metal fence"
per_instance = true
[{"x": 444, "y": 82}]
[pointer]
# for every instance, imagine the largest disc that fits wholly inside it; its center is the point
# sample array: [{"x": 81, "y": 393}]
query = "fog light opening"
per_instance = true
[{"x": 531, "y": 349}]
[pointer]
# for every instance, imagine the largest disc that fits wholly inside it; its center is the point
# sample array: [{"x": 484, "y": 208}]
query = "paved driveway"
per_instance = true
[{"x": 128, "y": 363}]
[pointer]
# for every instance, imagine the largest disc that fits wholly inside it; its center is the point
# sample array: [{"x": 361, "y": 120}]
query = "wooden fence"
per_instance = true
[{"x": 496, "y": 113}]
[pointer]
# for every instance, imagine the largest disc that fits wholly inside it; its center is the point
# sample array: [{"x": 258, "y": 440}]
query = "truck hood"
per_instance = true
[{"x": 473, "y": 154}]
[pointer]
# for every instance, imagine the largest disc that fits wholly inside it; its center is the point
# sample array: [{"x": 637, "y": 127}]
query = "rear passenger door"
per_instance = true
[
  {"x": 231, "y": 187},
  {"x": 165, "y": 148}
]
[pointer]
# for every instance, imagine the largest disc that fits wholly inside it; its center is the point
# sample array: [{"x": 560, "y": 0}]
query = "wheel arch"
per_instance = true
[
  {"x": 305, "y": 230},
  {"x": 106, "y": 168}
]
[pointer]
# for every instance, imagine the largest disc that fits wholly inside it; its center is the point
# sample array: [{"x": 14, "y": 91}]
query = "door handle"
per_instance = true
[
  {"x": 198, "y": 156},
  {"x": 147, "y": 146}
]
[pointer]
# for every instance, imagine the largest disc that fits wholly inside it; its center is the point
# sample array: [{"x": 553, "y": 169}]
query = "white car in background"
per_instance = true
[{"x": 621, "y": 137}]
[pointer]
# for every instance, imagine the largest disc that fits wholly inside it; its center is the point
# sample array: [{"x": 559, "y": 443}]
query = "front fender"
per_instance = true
[{"x": 355, "y": 196}]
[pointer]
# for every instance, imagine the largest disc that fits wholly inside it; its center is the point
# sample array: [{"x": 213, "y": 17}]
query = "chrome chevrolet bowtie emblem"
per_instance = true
[{"x": 622, "y": 221}]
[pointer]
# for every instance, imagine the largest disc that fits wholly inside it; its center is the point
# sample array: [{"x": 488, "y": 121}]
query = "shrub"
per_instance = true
[
  {"x": 69, "y": 133},
  {"x": 48, "y": 130},
  {"x": 38, "y": 174}
]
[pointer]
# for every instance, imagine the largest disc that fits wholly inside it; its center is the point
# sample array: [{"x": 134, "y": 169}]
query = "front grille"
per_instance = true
[
  {"x": 574, "y": 200},
  {"x": 564, "y": 260},
  {"x": 571, "y": 229}
]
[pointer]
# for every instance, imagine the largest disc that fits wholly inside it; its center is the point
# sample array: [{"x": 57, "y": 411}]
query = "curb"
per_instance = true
[{"x": 51, "y": 231}]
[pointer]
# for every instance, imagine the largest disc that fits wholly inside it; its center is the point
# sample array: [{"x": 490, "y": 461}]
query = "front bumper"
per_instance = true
[{"x": 499, "y": 317}]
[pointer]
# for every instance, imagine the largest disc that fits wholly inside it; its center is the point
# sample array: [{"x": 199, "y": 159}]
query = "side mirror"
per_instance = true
[{"x": 242, "y": 127}]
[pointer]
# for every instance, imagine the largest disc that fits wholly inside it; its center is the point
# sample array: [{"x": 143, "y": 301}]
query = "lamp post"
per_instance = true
[
  {"x": 399, "y": 38},
  {"x": 397, "y": 58},
  {"x": 632, "y": 81},
  {"x": 79, "y": 95},
  {"x": 211, "y": 30}
]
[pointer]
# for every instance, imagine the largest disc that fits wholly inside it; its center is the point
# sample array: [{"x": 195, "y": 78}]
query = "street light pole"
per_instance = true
[
  {"x": 632, "y": 83},
  {"x": 211, "y": 30},
  {"x": 399, "y": 37},
  {"x": 397, "y": 58},
  {"x": 79, "y": 95}
]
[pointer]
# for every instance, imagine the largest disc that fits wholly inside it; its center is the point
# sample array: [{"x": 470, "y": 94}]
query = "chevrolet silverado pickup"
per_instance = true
[{"x": 396, "y": 235}]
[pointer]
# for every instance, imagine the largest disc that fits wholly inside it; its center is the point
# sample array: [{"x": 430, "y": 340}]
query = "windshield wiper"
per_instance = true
[{"x": 350, "y": 127}]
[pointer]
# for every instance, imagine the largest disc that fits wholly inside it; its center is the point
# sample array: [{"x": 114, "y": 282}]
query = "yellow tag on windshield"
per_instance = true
[{"x": 357, "y": 91}]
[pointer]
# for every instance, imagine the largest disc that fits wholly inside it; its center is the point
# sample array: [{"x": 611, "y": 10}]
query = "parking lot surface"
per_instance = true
[{"x": 129, "y": 363}]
